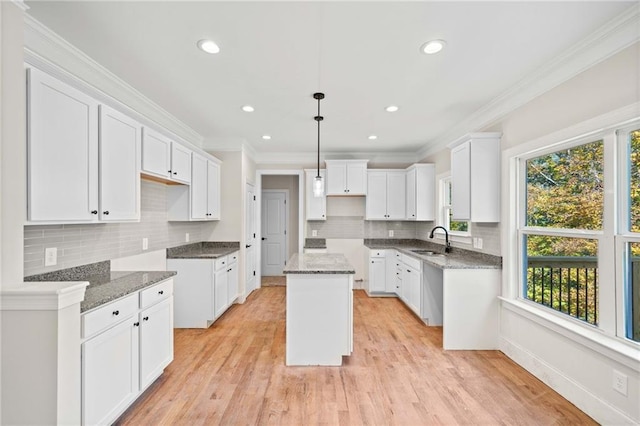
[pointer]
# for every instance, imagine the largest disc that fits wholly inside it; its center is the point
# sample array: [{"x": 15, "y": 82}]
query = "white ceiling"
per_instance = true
[{"x": 362, "y": 55}]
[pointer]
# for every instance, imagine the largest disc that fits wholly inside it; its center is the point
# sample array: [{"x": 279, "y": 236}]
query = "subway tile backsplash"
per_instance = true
[{"x": 88, "y": 243}]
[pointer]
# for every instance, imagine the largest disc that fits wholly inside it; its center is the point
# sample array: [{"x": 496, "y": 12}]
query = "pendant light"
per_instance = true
[{"x": 318, "y": 182}]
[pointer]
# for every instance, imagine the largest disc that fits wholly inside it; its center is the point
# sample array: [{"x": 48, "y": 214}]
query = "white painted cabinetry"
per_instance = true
[
  {"x": 386, "y": 195},
  {"x": 420, "y": 189},
  {"x": 127, "y": 345},
  {"x": 119, "y": 154},
  {"x": 316, "y": 206},
  {"x": 412, "y": 283},
  {"x": 346, "y": 177},
  {"x": 475, "y": 177},
  {"x": 79, "y": 171},
  {"x": 201, "y": 199},
  {"x": 377, "y": 271},
  {"x": 205, "y": 288},
  {"x": 164, "y": 158}
]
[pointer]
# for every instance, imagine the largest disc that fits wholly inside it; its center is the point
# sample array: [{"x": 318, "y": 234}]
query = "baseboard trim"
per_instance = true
[{"x": 598, "y": 409}]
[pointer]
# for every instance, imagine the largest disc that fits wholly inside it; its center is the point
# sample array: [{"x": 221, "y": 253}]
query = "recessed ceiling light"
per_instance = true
[
  {"x": 373, "y": 137},
  {"x": 391, "y": 108},
  {"x": 266, "y": 137},
  {"x": 433, "y": 46},
  {"x": 247, "y": 108},
  {"x": 208, "y": 46}
]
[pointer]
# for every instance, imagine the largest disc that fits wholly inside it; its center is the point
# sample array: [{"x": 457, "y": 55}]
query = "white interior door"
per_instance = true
[
  {"x": 274, "y": 232},
  {"x": 250, "y": 240}
]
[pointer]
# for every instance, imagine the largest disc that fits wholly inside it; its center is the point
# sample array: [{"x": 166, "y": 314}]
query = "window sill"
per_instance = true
[{"x": 622, "y": 351}]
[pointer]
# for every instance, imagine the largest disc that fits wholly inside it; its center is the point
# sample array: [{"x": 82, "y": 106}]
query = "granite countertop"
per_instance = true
[
  {"x": 457, "y": 259},
  {"x": 318, "y": 263},
  {"x": 203, "y": 250},
  {"x": 320, "y": 243},
  {"x": 104, "y": 285}
]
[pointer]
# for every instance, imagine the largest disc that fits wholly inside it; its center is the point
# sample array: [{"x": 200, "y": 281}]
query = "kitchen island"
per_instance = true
[{"x": 319, "y": 309}]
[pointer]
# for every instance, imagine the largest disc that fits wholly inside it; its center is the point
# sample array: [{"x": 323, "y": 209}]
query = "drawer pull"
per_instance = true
[
  {"x": 145, "y": 319},
  {"x": 136, "y": 324},
  {"x": 161, "y": 292},
  {"x": 116, "y": 313}
]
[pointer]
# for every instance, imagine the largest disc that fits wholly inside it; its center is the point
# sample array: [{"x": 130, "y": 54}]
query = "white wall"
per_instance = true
[{"x": 577, "y": 368}]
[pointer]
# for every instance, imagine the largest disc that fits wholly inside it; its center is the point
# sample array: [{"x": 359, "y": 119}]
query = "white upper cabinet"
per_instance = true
[
  {"x": 201, "y": 199},
  {"x": 475, "y": 177},
  {"x": 164, "y": 158},
  {"x": 316, "y": 206},
  {"x": 119, "y": 166},
  {"x": 79, "y": 171},
  {"x": 62, "y": 151},
  {"x": 386, "y": 195},
  {"x": 180, "y": 163},
  {"x": 156, "y": 154},
  {"x": 346, "y": 177},
  {"x": 421, "y": 186}
]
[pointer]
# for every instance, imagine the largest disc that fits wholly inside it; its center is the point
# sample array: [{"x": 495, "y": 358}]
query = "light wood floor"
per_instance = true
[{"x": 234, "y": 373}]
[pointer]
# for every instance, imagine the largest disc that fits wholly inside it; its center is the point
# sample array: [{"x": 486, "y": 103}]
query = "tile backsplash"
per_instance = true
[{"x": 88, "y": 243}]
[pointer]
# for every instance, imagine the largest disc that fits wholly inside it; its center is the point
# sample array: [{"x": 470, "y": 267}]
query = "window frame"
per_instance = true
[
  {"x": 611, "y": 242},
  {"x": 442, "y": 217}
]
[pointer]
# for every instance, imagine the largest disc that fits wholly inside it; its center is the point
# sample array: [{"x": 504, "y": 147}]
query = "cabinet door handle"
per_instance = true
[
  {"x": 136, "y": 324},
  {"x": 106, "y": 212},
  {"x": 116, "y": 313},
  {"x": 94, "y": 211},
  {"x": 145, "y": 319},
  {"x": 246, "y": 246},
  {"x": 408, "y": 270},
  {"x": 161, "y": 292},
  {"x": 322, "y": 215},
  {"x": 169, "y": 171},
  {"x": 175, "y": 173},
  {"x": 372, "y": 261}
]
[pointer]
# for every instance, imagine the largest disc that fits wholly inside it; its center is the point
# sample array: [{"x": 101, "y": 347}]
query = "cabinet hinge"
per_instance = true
[
  {"x": 254, "y": 235},
  {"x": 254, "y": 198},
  {"x": 254, "y": 273}
]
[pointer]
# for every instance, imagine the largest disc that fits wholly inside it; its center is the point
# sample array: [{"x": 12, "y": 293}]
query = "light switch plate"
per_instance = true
[
  {"x": 391, "y": 232},
  {"x": 50, "y": 256},
  {"x": 145, "y": 244},
  {"x": 314, "y": 232},
  {"x": 186, "y": 237}
]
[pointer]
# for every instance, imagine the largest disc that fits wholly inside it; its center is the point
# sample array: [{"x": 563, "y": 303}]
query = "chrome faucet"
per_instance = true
[{"x": 447, "y": 248}]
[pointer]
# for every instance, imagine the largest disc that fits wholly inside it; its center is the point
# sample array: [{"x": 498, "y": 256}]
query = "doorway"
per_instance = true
[
  {"x": 274, "y": 231},
  {"x": 250, "y": 240}
]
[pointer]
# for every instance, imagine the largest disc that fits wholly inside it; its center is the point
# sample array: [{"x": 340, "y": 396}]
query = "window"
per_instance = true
[
  {"x": 577, "y": 240},
  {"x": 564, "y": 199},
  {"x": 455, "y": 227}
]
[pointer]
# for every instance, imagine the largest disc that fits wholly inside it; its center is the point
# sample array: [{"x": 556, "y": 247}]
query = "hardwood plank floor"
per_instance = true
[{"x": 234, "y": 373}]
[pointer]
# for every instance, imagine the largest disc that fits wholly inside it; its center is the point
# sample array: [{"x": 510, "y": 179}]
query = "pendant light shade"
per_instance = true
[{"x": 318, "y": 182}]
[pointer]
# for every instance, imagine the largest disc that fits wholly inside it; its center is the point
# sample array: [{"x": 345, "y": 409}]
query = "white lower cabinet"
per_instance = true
[
  {"x": 412, "y": 283},
  {"x": 205, "y": 288},
  {"x": 110, "y": 380},
  {"x": 124, "y": 351}
]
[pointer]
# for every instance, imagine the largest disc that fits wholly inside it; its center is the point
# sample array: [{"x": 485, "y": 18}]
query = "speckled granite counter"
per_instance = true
[
  {"x": 203, "y": 250},
  {"x": 315, "y": 243},
  {"x": 104, "y": 285},
  {"x": 457, "y": 259},
  {"x": 318, "y": 263}
]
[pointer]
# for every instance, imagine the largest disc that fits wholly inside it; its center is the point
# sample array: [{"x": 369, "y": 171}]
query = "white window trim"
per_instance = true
[
  {"x": 454, "y": 236},
  {"x": 514, "y": 195}
]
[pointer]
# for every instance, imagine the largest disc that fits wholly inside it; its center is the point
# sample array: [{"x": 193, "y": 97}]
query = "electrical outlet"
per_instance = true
[
  {"x": 475, "y": 242},
  {"x": 314, "y": 232},
  {"x": 391, "y": 232},
  {"x": 145, "y": 244},
  {"x": 186, "y": 237},
  {"x": 620, "y": 382},
  {"x": 50, "y": 256},
  {"x": 479, "y": 245}
]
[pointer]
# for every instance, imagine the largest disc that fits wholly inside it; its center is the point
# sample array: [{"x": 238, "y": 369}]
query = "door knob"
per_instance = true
[{"x": 263, "y": 238}]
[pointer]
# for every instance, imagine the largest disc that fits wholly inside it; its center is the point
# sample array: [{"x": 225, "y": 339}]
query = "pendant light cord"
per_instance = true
[{"x": 318, "y": 175}]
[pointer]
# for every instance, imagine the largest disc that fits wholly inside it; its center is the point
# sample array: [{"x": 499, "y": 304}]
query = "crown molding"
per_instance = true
[
  {"x": 616, "y": 35},
  {"x": 43, "y": 47},
  {"x": 20, "y": 4}
]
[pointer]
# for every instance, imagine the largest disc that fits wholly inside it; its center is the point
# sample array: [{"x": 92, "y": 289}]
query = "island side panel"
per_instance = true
[{"x": 319, "y": 323}]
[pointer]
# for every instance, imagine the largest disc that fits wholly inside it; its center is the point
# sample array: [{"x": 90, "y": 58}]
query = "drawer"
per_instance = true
[
  {"x": 156, "y": 293},
  {"x": 108, "y": 315},
  {"x": 412, "y": 262},
  {"x": 232, "y": 258},
  {"x": 377, "y": 253},
  {"x": 221, "y": 262}
]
